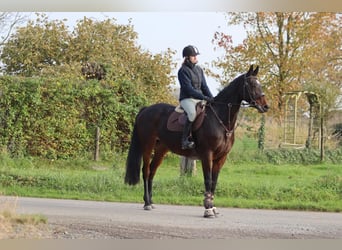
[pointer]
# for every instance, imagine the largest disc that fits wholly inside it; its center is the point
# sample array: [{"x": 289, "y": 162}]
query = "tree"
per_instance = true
[
  {"x": 47, "y": 48},
  {"x": 114, "y": 46},
  {"x": 8, "y": 21},
  {"x": 35, "y": 47},
  {"x": 293, "y": 49}
]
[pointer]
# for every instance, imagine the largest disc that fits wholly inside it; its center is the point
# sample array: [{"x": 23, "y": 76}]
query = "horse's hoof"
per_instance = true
[
  {"x": 148, "y": 207},
  {"x": 209, "y": 213}
]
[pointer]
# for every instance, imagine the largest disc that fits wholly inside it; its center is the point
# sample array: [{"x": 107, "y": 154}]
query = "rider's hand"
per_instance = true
[{"x": 209, "y": 99}]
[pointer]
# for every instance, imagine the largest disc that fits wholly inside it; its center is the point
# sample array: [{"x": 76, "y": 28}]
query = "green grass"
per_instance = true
[{"x": 242, "y": 183}]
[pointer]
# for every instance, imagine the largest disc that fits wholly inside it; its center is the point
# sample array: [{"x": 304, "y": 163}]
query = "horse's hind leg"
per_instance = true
[
  {"x": 146, "y": 175},
  {"x": 149, "y": 169},
  {"x": 159, "y": 153}
]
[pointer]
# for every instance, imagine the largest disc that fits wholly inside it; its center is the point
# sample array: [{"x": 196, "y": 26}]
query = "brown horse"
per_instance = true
[{"x": 213, "y": 140}]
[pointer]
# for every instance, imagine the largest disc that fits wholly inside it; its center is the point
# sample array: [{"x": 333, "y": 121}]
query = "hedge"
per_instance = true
[{"x": 56, "y": 118}]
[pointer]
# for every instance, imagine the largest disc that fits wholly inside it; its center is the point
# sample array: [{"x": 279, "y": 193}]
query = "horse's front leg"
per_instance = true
[
  {"x": 217, "y": 165},
  {"x": 210, "y": 179},
  {"x": 208, "y": 183}
]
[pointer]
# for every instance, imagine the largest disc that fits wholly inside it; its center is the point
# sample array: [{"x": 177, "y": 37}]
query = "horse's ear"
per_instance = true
[
  {"x": 250, "y": 71},
  {"x": 256, "y": 71}
]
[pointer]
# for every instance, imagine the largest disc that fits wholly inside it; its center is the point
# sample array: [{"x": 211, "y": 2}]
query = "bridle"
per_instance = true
[{"x": 247, "y": 87}]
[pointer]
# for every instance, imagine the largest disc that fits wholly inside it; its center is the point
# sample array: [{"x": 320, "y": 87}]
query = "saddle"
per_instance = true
[{"x": 178, "y": 118}]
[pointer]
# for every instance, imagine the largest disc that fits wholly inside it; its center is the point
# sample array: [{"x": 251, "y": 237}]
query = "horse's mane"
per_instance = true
[{"x": 229, "y": 89}]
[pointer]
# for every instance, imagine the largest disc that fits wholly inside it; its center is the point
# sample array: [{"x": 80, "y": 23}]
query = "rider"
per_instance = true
[{"x": 193, "y": 89}]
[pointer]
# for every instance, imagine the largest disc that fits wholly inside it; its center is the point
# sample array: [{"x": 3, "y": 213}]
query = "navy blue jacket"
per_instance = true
[{"x": 192, "y": 82}]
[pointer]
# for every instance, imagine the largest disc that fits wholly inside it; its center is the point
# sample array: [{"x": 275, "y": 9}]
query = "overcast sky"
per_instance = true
[{"x": 158, "y": 31}]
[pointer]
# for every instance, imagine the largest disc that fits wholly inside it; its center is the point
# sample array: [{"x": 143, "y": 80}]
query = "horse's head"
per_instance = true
[{"x": 253, "y": 93}]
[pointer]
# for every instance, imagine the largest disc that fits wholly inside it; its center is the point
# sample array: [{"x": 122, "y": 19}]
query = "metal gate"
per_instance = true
[{"x": 302, "y": 120}]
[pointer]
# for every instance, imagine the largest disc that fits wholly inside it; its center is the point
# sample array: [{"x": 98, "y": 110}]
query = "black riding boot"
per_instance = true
[{"x": 186, "y": 144}]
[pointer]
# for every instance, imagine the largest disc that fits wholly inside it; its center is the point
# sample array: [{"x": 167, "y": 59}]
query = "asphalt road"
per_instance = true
[{"x": 108, "y": 220}]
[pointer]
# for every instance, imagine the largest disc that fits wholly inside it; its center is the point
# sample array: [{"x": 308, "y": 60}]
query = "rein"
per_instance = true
[{"x": 230, "y": 105}]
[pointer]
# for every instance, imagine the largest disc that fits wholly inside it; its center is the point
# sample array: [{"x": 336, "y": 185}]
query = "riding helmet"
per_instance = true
[{"x": 190, "y": 51}]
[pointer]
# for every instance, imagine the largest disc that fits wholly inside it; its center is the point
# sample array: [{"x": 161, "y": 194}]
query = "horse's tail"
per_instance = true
[{"x": 133, "y": 162}]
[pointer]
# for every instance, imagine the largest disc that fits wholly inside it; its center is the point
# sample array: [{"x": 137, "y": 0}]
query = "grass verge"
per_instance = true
[{"x": 316, "y": 187}]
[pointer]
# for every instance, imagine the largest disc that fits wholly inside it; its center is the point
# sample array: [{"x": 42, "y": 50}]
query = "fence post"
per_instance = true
[
  {"x": 187, "y": 166},
  {"x": 97, "y": 144},
  {"x": 322, "y": 139},
  {"x": 261, "y": 134}
]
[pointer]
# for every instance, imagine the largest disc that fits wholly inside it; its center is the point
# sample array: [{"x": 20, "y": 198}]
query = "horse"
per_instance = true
[{"x": 213, "y": 140}]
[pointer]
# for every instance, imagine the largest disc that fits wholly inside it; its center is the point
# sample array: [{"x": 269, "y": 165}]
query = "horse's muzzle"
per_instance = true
[
  {"x": 261, "y": 105},
  {"x": 262, "y": 108}
]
